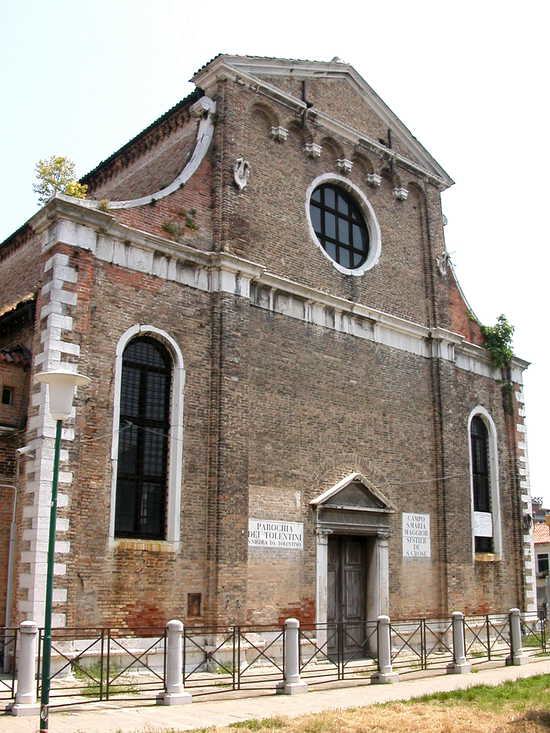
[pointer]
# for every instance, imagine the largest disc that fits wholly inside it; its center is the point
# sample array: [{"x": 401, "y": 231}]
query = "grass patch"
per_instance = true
[
  {"x": 269, "y": 723},
  {"x": 521, "y": 706},
  {"x": 91, "y": 677},
  {"x": 517, "y": 694}
]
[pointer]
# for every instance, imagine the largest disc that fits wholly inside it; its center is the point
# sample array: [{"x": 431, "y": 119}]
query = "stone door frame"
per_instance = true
[{"x": 369, "y": 519}]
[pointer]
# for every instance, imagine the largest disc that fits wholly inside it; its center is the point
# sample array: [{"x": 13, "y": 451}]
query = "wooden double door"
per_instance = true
[{"x": 347, "y": 593}]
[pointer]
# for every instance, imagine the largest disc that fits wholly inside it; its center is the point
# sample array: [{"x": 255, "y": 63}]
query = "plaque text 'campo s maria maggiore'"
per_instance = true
[
  {"x": 416, "y": 535},
  {"x": 273, "y": 533}
]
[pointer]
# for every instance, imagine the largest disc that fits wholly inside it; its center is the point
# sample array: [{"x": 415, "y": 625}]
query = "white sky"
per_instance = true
[{"x": 470, "y": 79}]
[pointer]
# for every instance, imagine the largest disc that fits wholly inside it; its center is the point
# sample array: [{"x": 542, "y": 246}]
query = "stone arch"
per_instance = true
[
  {"x": 390, "y": 174},
  {"x": 330, "y": 471},
  {"x": 494, "y": 490},
  {"x": 296, "y": 132},
  {"x": 263, "y": 115},
  {"x": 362, "y": 165},
  {"x": 332, "y": 150},
  {"x": 175, "y": 453}
]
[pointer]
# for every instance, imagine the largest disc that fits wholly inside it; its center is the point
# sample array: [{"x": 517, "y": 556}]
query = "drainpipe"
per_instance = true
[{"x": 11, "y": 559}]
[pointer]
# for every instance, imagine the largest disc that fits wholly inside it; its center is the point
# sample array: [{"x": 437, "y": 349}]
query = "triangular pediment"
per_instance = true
[
  {"x": 353, "y": 492},
  {"x": 285, "y": 76}
]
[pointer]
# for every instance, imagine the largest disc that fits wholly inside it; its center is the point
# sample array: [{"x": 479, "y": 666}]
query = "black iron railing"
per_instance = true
[
  {"x": 487, "y": 638},
  {"x": 219, "y": 659},
  {"x": 92, "y": 665},
  {"x": 338, "y": 651},
  {"x": 8, "y": 654},
  {"x": 101, "y": 664}
]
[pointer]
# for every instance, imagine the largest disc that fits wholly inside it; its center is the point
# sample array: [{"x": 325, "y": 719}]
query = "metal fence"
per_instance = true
[
  {"x": 130, "y": 664},
  {"x": 421, "y": 645},
  {"x": 339, "y": 651},
  {"x": 8, "y": 653},
  {"x": 487, "y": 638},
  {"x": 92, "y": 665},
  {"x": 218, "y": 659},
  {"x": 534, "y": 637}
]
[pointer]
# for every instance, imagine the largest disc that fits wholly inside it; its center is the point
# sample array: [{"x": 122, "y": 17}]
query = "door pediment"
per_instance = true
[{"x": 353, "y": 493}]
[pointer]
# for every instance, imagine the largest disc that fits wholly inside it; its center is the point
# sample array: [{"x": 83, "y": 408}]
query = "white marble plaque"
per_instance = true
[
  {"x": 275, "y": 533},
  {"x": 416, "y": 535},
  {"x": 483, "y": 524}
]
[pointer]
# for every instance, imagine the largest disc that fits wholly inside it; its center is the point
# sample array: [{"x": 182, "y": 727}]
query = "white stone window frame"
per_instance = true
[
  {"x": 482, "y": 412},
  {"x": 373, "y": 227},
  {"x": 175, "y": 442}
]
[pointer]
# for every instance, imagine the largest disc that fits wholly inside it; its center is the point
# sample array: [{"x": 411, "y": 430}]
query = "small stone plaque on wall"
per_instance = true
[
  {"x": 416, "y": 535},
  {"x": 483, "y": 524},
  {"x": 274, "y": 533}
]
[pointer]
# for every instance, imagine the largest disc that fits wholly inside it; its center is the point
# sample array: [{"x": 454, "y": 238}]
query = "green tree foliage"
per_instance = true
[
  {"x": 498, "y": 341},
  {"x": 56, "y": 175}
]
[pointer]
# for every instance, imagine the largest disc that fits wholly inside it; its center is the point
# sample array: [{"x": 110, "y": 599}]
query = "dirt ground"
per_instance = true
[{"x": 407, "y": 718}]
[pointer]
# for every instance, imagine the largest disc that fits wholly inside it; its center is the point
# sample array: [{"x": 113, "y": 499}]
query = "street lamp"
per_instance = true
[{"x": 61, "y": 388}]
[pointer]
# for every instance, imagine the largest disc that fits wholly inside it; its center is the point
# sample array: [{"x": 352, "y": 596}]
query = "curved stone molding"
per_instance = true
[
  {"x": 175, "y": 453},
  {"x": 367, "y": 210},
  {"x": 494, "y": 490},
  {"x": 204, "y": 108}
]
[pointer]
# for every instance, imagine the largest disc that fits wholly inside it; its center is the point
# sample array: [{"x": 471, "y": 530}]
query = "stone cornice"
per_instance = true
[
  {"x": 243, "y": 73},
  {"x": 65, "y": 221}
]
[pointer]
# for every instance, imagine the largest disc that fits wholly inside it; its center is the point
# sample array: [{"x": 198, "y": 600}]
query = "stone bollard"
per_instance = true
[
  {"x": 292, "y": 684},
  {"x": 174, "y": 693},
  {"x": 385, "y": 674},
  {"x": 25, "y": 697},
  {"x": 460, "y": 664},
  {"x": 517, "y": 656}
]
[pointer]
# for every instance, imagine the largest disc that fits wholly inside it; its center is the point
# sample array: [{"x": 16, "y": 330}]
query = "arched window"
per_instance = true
[
  {"x": 144, "y": 426},
  {"x": 483, "y": 520}
]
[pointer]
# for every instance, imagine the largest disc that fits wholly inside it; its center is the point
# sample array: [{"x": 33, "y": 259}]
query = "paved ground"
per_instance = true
[{"x": 109, "y": 719}]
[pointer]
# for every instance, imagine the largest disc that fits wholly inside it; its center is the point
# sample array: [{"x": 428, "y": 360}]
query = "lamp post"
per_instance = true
[{"x": 61, "y": 388}]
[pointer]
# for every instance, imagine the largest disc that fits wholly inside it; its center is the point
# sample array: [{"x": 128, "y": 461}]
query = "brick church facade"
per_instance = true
[{"x": 291, "y": 410}]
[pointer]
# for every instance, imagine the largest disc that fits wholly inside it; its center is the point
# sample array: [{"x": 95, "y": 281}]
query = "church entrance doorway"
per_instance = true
[{"x": 347, "y": 592}]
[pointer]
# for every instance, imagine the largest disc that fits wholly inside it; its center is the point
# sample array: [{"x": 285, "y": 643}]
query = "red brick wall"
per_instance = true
[
  {"x": 20, "y": 271},
  {"x": 121, "y": 585},
  {"x": 277, "y": 410}
]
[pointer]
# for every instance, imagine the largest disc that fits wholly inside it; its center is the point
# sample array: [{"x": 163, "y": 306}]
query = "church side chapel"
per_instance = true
[{"x": 291, "y": 409}]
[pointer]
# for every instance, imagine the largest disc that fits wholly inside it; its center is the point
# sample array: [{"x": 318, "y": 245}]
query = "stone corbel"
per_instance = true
[
  {"x": 344, "y": 165},
  {"x": 313, "y": 150},
  {"x": 280, "y": 134},
  {"x": 374, "y": 180},
  {"x": 401, "y": 193}
]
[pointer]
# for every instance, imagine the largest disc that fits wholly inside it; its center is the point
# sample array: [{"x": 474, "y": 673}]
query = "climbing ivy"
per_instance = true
[{"x": 498, "y": 341}]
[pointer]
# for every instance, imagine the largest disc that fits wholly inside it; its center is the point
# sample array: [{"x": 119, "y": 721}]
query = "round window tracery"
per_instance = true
[{"x": 339, "y": 225}]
